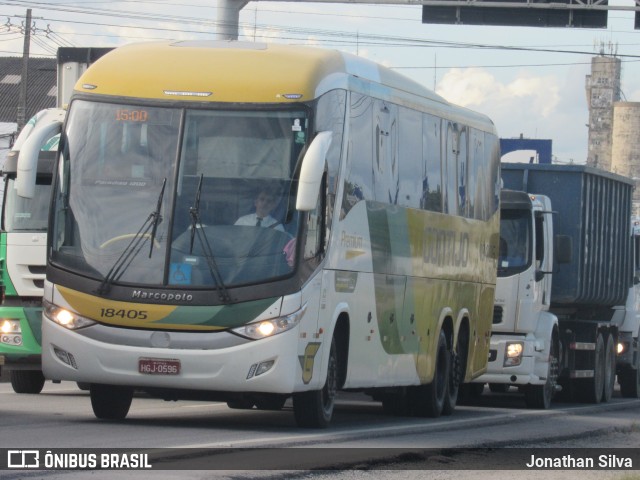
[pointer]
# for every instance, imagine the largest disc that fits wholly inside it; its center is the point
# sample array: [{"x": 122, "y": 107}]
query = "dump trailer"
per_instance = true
[{"x": 565, "y": 273}]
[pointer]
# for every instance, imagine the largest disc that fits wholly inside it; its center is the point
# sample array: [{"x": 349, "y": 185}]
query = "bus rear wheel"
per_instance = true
[
  {"x": 457, "y": 373},
  {"x": 428, "y": 400},
  {"x": 110, "y": 402},
  {"x": 314, "y": 409}
]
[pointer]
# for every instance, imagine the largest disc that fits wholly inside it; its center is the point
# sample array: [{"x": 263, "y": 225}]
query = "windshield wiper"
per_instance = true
[
  {"x": 196, "y": 229},
  {"x": 194, "y": 213},
  {"x": 157, "y": 218},
  {"x": 135, "y": 246}
]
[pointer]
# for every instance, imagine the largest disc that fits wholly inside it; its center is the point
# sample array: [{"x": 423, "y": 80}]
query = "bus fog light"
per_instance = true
[
  {"x": 260, "y": 368},
  {"x": 513, "y": 354},
  {"x": 264, "y": 367},
  {"x": 65, "y": 357}
]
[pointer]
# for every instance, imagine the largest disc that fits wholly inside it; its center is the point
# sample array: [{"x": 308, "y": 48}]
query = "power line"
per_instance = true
[
  {"x": 439, "y": 67},
  {"x": 332, "y": 37},
  {"x": 348, "y": 38}
]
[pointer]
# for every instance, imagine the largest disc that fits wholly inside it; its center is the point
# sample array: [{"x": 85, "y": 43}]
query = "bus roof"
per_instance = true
[{"x": 247, "y": 72}]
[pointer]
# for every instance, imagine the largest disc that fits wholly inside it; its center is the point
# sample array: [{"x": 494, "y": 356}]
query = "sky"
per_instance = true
[{"x": 530, "y": 81}]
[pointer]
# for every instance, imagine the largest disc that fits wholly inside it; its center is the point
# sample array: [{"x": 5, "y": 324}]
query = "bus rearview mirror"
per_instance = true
[{"x": 311, "y": 172}]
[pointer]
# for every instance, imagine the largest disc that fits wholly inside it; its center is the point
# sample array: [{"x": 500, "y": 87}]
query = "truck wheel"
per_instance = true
[
  {"x": 590, "y": 390},
  {"x": 428, "y": 400},
  {"x": 609, "y": 369},
  {"x": 540, "y": 396},
  {"x": 314, "y": 409},
  {"x": 27, "y": 381},
  {"x": 110, "y": 402}
]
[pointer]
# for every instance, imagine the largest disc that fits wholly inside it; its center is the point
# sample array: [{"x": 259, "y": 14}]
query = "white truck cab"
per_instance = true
[{"x": 524, "y": 339}]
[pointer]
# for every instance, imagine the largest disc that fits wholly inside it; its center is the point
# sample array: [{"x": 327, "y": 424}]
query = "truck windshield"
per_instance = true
[
  {"x": 27, "y": 214},
  {"x": 515, "y": 242},
  {"x": 161, "y": 196}
]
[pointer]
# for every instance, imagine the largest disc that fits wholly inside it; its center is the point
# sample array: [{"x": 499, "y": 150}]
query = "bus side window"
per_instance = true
[{"x": 432, "y": 164}]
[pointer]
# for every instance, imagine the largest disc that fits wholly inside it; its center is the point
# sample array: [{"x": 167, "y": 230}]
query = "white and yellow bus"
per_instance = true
[{"x": 374, "y": 270}]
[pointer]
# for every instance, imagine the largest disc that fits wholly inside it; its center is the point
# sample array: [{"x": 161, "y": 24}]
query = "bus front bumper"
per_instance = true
[{"x": 270, "y": 365}]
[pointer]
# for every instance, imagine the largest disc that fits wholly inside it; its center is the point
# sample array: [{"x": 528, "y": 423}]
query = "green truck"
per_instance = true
[
  {"x": 23, "y": 234},
  {"x": 23, "y": 241}
]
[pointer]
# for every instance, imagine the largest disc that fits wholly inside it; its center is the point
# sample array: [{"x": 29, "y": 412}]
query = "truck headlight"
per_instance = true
[
  {"x": 513, "y": 354},
  {"x": 622, "y": 347},
  {"x": 268, "y": 328},
  {"x": 10, "y": 331},
  {"x": 64, "y": 317}
]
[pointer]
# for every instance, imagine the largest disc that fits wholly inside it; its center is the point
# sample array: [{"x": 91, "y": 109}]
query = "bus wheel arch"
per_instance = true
[
  {"x": 341, "y": 334},
  {"x": 314, "y": 408}
]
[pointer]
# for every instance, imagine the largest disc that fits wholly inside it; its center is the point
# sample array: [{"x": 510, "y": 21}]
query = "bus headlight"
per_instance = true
[
  {"x": 268, "y": 328},
  {"x": 513, "y": 354},
  {"x": 64, "y": 317}
]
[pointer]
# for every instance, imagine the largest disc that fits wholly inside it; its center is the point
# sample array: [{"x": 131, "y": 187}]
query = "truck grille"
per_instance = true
[{"x": 37, "y": 269}]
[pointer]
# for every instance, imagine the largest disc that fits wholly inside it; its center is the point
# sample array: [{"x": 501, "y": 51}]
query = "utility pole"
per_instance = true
[
  {"x": 22, "y": 101},
  {"x": 229, "y": 18}
]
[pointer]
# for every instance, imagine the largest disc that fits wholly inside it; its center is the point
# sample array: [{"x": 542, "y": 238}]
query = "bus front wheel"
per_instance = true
[
  {"x": 110, "y": 402},
  {"x": 314, "y": 409}
]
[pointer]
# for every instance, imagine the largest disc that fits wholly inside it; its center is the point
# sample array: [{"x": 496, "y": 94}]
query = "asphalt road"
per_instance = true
[{"x": 209, "y": 440}]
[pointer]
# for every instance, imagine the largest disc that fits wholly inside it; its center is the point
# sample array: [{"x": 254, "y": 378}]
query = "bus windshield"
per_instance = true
[
  {"x": 161, "y": 196},
  {"x": 27, "y": 214}
]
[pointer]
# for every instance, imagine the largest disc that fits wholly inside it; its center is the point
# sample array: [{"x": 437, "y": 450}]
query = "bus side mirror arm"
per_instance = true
[{"x": 311, "y": 172}]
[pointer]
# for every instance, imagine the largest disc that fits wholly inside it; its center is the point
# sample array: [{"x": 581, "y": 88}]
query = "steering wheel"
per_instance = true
[{"x": 128, "y": 236}]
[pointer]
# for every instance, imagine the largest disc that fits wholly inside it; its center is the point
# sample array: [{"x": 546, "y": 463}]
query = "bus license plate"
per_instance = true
[{"x": 159, "y": 366}]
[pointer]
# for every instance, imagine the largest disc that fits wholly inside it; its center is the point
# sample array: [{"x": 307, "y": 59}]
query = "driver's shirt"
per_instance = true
[{"x": 251, "y": 220}]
